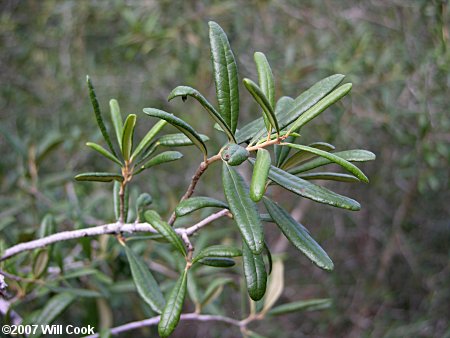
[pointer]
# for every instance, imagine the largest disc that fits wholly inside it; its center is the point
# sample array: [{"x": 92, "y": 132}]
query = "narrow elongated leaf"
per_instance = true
[
  {"x": 260, "y": 174},
  {"x": 298, "y": 235},
  {"x": 302, "y": 305},
  {"x": 218, "y": 251},
  {"x": 98, "y": 115},
  {"x": 194, "y": 203},
  {"x": 243, "y": 208},
  {"x": 127, "y": 136},
  {"x": 146, "y": 284},
  {"x": 225, "y": 75},
  {"x": 323, "y": 104},
  {"x": 281, "y": 153},
  {"x": 116, "y": 118},
  {"x": 301, "y": 155},
  {"x": 116, "y": 200},
  {"x": 261, "y": 99},
  {"x": 302, "y": 103},
  {"x": 336, "y": 159},
  {"x": 265, "y": 77},
  {"x": 218, "y": 262},
  {"x": 99, "y": 177},
  {"x": 166, "y": 230},
  {"x": 50, "y": 143},
  {"x": 310, "y": 190},
  {"x": 275, "y": 287},
  {"x": 214, "y": 290},
  {"x": 185, "y": 128},
  {"x": 184, "y": 91},
  {"x": 126, "y": 202},
  {"x": 254, "y": 272},
  {"x": 329, "y": 176},
  {"x": 54, "y": 307},
  {"x": 172, "y": 311},
  {"x": 164, "y": 157},
  {"x": 148, "y": 138},
  {"x": 178, "y": 140},
  {"x": 142, "y": 203},
  {"x": 103, "y": 152},
  {"x": 355, "y": 155}
]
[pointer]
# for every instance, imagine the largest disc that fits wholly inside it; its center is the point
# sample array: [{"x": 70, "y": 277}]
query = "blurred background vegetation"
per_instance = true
[{"x": 392, "y": 258}]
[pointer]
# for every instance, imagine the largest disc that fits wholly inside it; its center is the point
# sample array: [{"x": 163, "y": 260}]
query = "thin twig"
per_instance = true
[
  {"x": 107, "y": 229},
  {"x": 185, "y": 316}
]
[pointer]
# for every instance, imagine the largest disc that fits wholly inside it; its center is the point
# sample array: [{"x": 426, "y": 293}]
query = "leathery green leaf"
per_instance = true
[
  {"x": 146, "y": 284},
  {"x": 355, "y": 155},
  {"x": 309, "y": 190},
  {"x": 329, "y": 176},
  {"x": 302, "y": 305},
  {"x": 116, "y": 118},
  {"x": 302, "y": 156},
  {"x": 98, "y": 115},
  {"x": 194, "y": 203},
  {"x": 127, "y": 136},
  {"x": 164, "y": 157},
  {"x": 243, "y": 208},
  {"x": 116, "y": 199},
  {"x": 178, "y": 140},
  {"x": 260, "y": 174},
  {"x": 99, "y": 177},
  {"x": 166, "y": 230},
  {"x": 218, "y": 262},
  {"x": 265, "y": 77},
  {"x": 254, "y": 272},
  {"x": 336, "y": 159},
  {"x": 298, "y": 235},
  {"x": 234, "y": 154},
  {"x": 269, "y": 114},
  {"x": 172, "y": 311},
  {"x": 148, "y": 138},
  {"x": 103, "y": 152},
  {"x": 302, "y": 103},
  {"x": 323, "y": 104},
  {"x": 182, "y": 126},
  {"x": 184, "y": 91},
  {"x": 218, "y": 251},
  {"x": 225, "y": 75}
]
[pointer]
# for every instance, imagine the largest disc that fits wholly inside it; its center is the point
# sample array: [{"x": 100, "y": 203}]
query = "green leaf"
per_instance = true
[
  {"x": 301, "y": 155},
  {"x": 180, "y": 125},
  {"x": 218, "y": 251},
  {"x": 127, "y": 136},
  {"x": 116, "y": 200},
  {"x": 265, "y": 77},
  {"x": 260, "y": 174},
  {"x": 281, "y": 153},
  {"x": 214, "y": 289},
  {"x": 336, "y": 159},
  {"x": 164, "y": 157},
  {"x": 184, "y": 91},
  {"x": 116, "y": 118},
  {"x": 243, "y": 208},
  {"x": 50, "y": 143},
  {"x": 98, "y": 116},
  {"x": 126, "y": 202},
  {"x": 302, "y": 305},
  {"x": 99, "y": 177},
  {"x": 310, "y": 190},
  {"x": 268, "y": 112},
  {"x": 269, "y": 256},
  {"x": 166, "y": 230},
  {"x": 40, "y": 263},
  {"x": 234, "y": 154},
  {"x": 178, "y": 140},
  {"x": 148, "y": 138},
  {"x": 298, "y": 235},
  {"x": 142, "y": 203},
  {"x": 355, "y": 155},
  {"x": 54, "y": 307},
  {"x": 146, "y": 284},
  {"x": 254, "y": 272},
  {"x": 225, "y": 75},
  {"x": 323, "y": 104},
  {"x": 104, "y": 152},
  {"x": 194, "y": 203},
  {"x": 172, "y": 311},
  {"x": 218, "y": 262},
  {"x": 302, "y": 103},
  {"x": 329, "y": 176}
]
